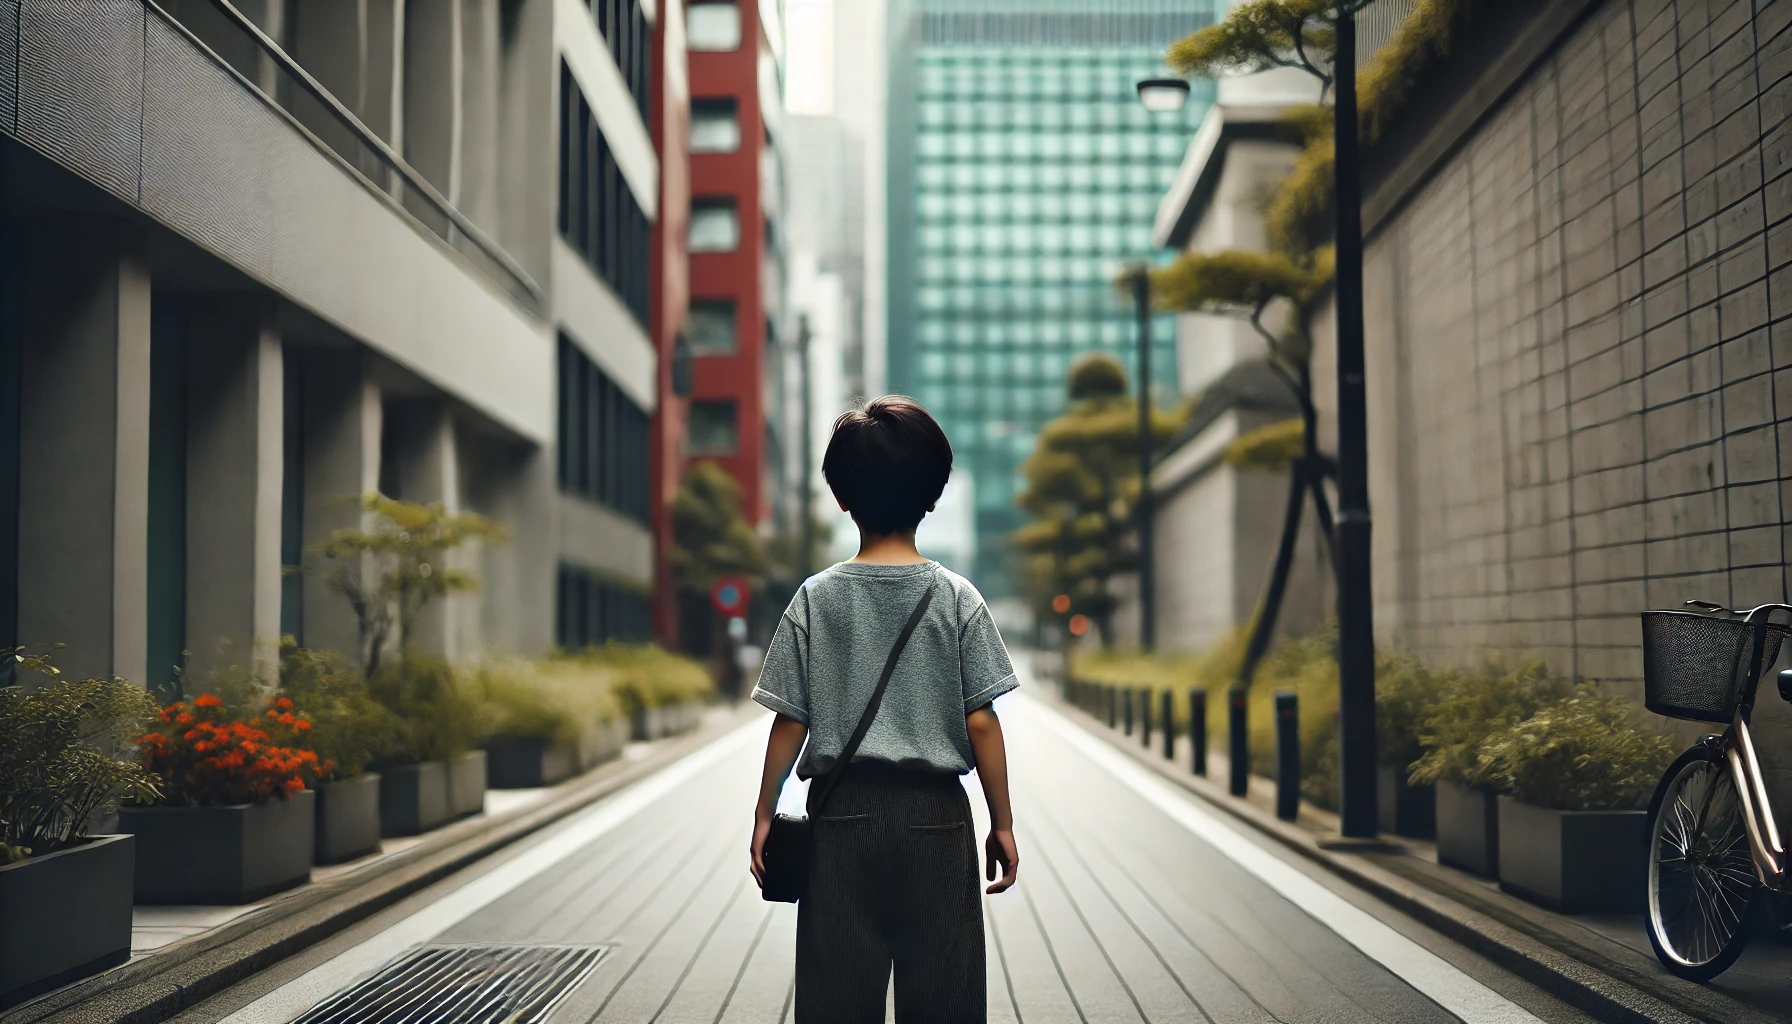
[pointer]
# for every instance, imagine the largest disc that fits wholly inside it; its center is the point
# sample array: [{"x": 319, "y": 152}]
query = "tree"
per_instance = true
[
  {"x": 710, "y": 536},
  {"x": 1082, "y": 484},
  {"x": 391, "y": 572}
]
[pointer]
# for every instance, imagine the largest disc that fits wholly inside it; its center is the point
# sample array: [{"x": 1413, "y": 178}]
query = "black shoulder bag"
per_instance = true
[{"x": 791, "y": 842}]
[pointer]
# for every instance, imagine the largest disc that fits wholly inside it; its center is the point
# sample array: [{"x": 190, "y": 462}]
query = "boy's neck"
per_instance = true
[{"x": 888, "y": 548}]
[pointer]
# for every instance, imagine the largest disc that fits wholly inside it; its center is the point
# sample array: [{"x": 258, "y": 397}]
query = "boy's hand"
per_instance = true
[
  {"x": 762, "y": 827},
  {"x": 999, "y": 848}
]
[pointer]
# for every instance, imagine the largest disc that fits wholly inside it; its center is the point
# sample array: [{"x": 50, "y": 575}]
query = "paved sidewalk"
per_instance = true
[{"x": 1136, "y": 903}]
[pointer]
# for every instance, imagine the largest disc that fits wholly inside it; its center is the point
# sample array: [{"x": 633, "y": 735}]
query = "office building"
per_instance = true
[
  {"x": 264, "y": 258},
  {"x": 1022, "y": 171}
]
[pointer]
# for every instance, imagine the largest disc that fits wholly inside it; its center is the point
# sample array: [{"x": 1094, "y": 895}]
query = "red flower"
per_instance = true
[{"x": 207, "y": 700}]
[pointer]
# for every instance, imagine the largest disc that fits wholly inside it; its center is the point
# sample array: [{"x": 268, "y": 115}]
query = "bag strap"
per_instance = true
[{"x": 877, "y": 697}]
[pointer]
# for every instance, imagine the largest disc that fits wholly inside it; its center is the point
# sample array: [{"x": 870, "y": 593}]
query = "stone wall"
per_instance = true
[{"x": 1579, "y": 375}]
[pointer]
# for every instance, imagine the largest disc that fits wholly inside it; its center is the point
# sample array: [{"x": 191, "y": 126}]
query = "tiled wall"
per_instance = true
[{"x": 1580, "y": 372}]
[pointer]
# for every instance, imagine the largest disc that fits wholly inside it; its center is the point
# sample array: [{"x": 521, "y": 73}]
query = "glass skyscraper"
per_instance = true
[{"x": 1022, "y": 172}]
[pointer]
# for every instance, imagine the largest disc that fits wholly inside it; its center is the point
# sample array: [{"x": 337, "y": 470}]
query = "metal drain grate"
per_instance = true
[{"x": 482, "y": 984}]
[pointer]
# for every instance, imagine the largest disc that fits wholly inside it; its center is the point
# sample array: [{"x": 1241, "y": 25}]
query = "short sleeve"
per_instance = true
[
  {"x": 784, "y": 679},
  {"x": 983, "y": 661}
]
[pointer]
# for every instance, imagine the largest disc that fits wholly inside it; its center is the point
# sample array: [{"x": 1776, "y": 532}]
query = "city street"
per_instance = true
[{"x": 1136, "y": 903}]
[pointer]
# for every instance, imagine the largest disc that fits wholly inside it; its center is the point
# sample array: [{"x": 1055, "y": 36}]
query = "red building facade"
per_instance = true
[{"x": 669, "y": 121}]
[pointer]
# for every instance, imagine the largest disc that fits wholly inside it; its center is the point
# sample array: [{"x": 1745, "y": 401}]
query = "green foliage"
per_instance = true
[
  {"x": 349, "y": 728},
  {"x": 710, "y": 536},
  {"x": 61, "y": 759},
  {"x": 1472, "y": 706},
  {"x": 1580, "y": 753},
  {"x": 439, "y": 717},
  {"x": 1231, "y": 281},
  {"x": 1271, "y": 446},
  {"x": 640, "y": 675},
  {"x": 1259, "y": 35},
  {"x": 518, "y": 705},
  {"x": 1300, "y": 214},
  {"x": 1406, "y": 692},
  {"x": 391, "y": 572},
  {"x": 1423, "y": 37},
  {"x": 1082, "y": 483}
]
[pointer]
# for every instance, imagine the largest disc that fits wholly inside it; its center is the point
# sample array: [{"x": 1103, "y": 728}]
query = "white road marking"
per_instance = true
[
  {"x": 1424, "y": 970},
  {"x": 362, "y": 961}
]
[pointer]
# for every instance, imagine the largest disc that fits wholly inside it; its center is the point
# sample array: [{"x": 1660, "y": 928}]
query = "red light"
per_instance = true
[
  {"x": 1061, "y": 603},
  {"x": 1079, "y": 625}
]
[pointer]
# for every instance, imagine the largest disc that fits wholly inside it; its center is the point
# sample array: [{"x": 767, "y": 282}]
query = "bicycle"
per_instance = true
[{"x": 1714, "y": 846}]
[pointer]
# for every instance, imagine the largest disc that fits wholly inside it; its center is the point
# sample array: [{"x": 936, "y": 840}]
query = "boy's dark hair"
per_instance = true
[{"x": 887, "y": 463}]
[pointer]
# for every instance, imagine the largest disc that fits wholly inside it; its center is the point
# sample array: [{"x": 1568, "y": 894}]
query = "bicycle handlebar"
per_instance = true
[{"x": 1759, "y": 613}]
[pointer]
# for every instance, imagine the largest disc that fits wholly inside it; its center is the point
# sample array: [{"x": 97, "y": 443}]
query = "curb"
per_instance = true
[
  {"x": 1577, "y": 976},
  {"x": 159, "y": 986}
]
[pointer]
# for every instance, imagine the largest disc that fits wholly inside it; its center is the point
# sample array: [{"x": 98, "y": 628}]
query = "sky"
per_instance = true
[{"x": 809, "y": 46}]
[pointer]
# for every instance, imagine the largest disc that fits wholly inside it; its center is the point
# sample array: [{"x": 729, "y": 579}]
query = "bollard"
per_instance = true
[
  {"x": 1287, "y": 756},
  {"x": 1239, "y": 749},
  {"x": 1169, "y": 727},
  {"x": 1145, "y": 717},
  {"x": 1126, "y": 708},
  {"x": 1112, "y": 700},
  {"x": 1197, "y": 729}
]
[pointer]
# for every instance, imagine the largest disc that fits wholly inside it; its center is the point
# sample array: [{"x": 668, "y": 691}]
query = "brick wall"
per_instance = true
[{"x": 1579, "y": 369}]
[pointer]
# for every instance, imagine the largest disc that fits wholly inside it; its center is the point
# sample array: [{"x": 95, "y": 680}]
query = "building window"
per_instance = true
[
  {"x": 590, "y": 611},
  {"x": 715, "y": 226},
  {"x": 602, "y": 436},
  {"x": 715, "y": 126},
  {"x": 711, "y": 327},
  {"x": 599, "y": 216},
  {"x": 624, "y": 27},
  {"x": 713, "y": 429},
  {"x": 712, "y": 25}
]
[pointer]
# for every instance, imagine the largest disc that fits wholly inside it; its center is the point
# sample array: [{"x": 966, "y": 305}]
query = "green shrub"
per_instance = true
[
  {"x": 640, "y": 675},
  {"x": 1580, "y": 753},
  {"x": 438, "y": 715},
  {"x": 60, "y": 762},
  {"x": 1473, "y": 706},
  {"x": 1406, "y": 691},
  {"x": 349, "y": 728}
]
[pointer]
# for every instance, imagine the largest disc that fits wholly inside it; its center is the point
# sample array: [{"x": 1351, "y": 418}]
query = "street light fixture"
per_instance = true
[
  {"x": 1163, "y": 95},
  {"x": 1139, "y": 273}
]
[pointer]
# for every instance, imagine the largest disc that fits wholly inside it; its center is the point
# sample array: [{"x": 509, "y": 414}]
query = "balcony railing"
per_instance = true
[{"x": 241, "y": 46}]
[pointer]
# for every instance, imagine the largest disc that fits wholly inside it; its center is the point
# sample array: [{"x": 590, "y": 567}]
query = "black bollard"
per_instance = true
[
  {"x": 1112, "y": 700},
  {"x": 1145, "y": 717},
  {"x": 1287, "y": 756},
  {"x": 1169, "y": 727},
  {"x": 1126, "y": 708},
  {"x": 1197, "y": 729},
  {"x": 1239, "y": 749}
]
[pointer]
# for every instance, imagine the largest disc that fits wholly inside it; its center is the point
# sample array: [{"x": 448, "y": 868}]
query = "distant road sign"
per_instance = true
[{"x": 729, "y": 595}]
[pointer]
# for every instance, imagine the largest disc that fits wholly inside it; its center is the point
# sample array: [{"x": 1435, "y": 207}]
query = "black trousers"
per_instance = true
[{"x": 894, "y": 882}]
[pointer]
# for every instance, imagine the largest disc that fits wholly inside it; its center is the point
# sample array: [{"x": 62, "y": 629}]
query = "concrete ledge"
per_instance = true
[
  {"x": 157, "y": 987},
  {"x": 1612, "y": 986}
]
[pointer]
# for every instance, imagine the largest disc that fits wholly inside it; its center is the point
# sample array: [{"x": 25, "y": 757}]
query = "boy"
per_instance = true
[{"x": 894, "y": 876}]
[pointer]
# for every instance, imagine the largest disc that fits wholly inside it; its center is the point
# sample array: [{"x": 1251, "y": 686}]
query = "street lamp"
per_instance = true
[
  {"x": 1139, "y": 273},
  {"x": 1163, "y": 95}
]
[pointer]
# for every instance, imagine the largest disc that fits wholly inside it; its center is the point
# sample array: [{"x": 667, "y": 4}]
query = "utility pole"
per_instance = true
[
  {"x": 1141, "y": 297},
  {"x": 1356, "y": 626},
  {"x": 806, "y": 509}
]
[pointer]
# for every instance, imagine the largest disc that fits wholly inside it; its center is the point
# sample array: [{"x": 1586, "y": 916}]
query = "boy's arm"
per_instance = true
[
  {"x": 992, "y": 770},
  {"x": 781, "y": 750}
]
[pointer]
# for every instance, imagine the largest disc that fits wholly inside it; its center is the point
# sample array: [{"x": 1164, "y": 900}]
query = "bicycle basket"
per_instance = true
[{"x": 1701, "y": 667}]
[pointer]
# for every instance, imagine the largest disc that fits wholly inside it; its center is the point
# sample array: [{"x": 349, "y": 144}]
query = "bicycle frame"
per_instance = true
[{"x": 1738, "y": 746}]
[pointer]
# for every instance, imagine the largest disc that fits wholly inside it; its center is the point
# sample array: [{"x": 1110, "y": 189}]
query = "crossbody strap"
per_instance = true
[{"x": 877, "y": 697}]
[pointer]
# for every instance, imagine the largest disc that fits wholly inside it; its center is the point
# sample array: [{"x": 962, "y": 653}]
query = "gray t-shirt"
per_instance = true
[{"x": 831, "y": 646}]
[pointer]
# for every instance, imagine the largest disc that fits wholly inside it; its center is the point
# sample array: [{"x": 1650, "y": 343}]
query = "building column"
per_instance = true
[
  {"x": 426, "y": 468},
  {"x": 235, "y": 461},
  {"x": 84, "y": 451},
  {"x": 343, "y": 418}
]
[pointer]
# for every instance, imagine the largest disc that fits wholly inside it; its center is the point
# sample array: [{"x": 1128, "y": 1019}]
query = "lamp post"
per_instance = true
[
  {"x": 1356, "y": 626},
  {"x": 806, "y": 506},
  {"x": 1158, "y": 95}
]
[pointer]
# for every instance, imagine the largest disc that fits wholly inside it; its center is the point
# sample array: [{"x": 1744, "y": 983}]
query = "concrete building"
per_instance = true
[
  {"x": 1021, "y": 172},
  {"x": 261, "y": 262}
]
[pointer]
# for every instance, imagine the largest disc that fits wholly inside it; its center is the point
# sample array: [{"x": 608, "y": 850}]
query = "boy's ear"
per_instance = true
[{"x": 842, "y": 505}]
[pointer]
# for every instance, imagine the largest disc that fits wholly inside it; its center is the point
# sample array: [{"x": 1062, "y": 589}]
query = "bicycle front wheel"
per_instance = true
[{"x": 1701, "y": 876}]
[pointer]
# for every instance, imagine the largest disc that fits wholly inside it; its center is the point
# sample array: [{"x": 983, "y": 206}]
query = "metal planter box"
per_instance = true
[
  {"x": 526, "y": 762},
  {"x": 1405, "y": 810},
  {"x": 64, "y": 916},
  {"x": 1577, "y": 862},
  {"x": 1468, "y": 829},
  {"x": 413, "y": 798},
  {"x": 466, "y": 784},
  {"x": 222, "y": 855},
  {"x": 348, "y": 819}
]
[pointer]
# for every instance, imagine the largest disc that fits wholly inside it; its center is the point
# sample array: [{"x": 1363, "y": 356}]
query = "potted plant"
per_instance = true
[
  {"x": 1575, "y": 779},
  {"x": 348, "y": 730},
  {"x": 1470, "y": 707},
  {"x": 1405, "y": 692},
  {"x": 236, "y": 820},
  {"x": 65, "y": 895},
  {"x": 548, "y": 722},
  {"x": 661, "y": 693},
  {"x": 434, "y": 774}
]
